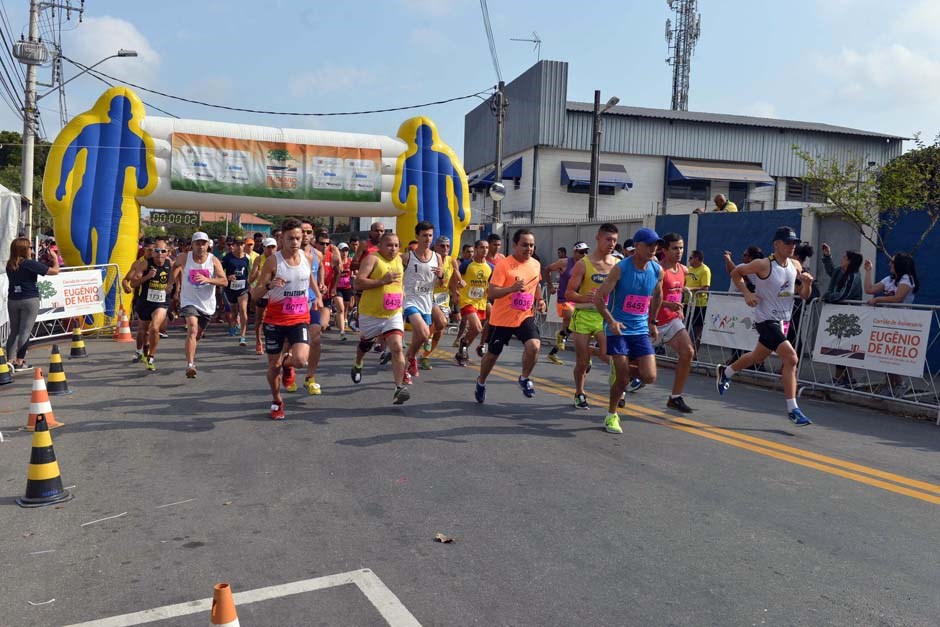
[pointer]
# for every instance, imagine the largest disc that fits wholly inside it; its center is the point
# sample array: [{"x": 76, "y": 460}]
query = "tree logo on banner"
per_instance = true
[
  {"x": 46, "y": 289},
  {"x": 841, "y": 326}
]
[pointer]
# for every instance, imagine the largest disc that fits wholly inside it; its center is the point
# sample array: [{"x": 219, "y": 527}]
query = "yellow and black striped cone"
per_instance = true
[
  {"x": 43, "y": 483},
  {"x": 78, "y": 345},
  {"x": 56, "y": 384},
  {"x": 6, "y": 370}
]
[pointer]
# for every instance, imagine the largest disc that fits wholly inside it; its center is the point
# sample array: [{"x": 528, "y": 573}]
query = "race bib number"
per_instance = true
[
  {"x": 294, "y": 305},
  {"x": 786, "y": 327},
  {"x": 344, "y": 283},
  {"x": 195, "y": 272},
  {"x": 238, "y": 284},
  {"x": 637, "y": 305},
  {"x": 441, "y": 298},
  {"x": 156, "y": 296},
  {"x": 522, "y": 301},
  {"x": 674, "y": 297},
  {"x": 476, "y": 293},
  {"x": 424, "y": 289},
  {"x": 392, "y": 302}
]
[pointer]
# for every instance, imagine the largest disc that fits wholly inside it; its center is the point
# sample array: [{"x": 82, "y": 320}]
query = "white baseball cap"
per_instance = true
[
  {"x": 343, "y": 246},
  {"x": 199, "y": 235},
  {"x": 269, "y": 241}
]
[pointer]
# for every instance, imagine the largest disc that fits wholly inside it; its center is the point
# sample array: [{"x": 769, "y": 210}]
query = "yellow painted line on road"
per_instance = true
[{"x": 831, "y": 465}]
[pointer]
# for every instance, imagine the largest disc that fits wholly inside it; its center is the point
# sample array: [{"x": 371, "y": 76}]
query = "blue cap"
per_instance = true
[{"x": 647, "y": 236}]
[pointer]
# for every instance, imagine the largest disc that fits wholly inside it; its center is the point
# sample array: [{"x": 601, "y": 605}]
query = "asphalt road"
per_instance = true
[{"x": 733, "y": 517}]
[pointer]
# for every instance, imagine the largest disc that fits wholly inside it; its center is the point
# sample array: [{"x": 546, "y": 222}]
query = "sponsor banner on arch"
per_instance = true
[{"x": 875, "y": 338}]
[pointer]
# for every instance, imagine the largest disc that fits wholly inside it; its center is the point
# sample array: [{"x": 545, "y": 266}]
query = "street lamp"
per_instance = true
[
  {"x": 596, "y": 149},
  {"x": 29, "y": 117}
]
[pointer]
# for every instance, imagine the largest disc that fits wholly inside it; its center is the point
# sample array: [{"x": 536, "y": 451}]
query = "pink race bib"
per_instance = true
[
  {"x": 786, "y": 327},
  {"x": 193, "y": 273},
  {"x": 294, "y": 305},
  {"x": 392, "y": 302},
  {"x": 674, "y": 297},
  {"x": 637, "y": 305},
  {"x": 521, "y": 301}
]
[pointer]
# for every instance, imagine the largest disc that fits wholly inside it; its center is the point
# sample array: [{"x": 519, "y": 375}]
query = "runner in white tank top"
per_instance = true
[
  {"x": 198, "y": 273},
  {"x": 283, "y": 281},
  {"x": 422, "y": 272},
  {"x": 772, "y": 299}
]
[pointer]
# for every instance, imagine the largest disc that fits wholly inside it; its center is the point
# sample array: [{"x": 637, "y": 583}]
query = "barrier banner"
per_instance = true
[
  {"x": 729, "y": 322},
  {"x": 247, "y": 167},
  {"x": 70, "y": 294},
  {"x": 881, "y": 339}
]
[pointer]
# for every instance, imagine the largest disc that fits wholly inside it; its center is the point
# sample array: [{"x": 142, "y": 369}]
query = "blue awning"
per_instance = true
[
  {"x": 512, "y": 170},
  {"x": 681, "y": 170},
  {"x": 609, "y": 174}
]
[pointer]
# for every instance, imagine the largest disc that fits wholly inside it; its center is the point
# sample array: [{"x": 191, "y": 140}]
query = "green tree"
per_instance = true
[
  {"x": 843, "y": 325},
  {"x": 11, "y": 174},
  {"x": 216, "y": 230},
  {"x": 281, "y": 155},
  {"x": 874, "y": 199},
  {"x": 45, "y": 289}
]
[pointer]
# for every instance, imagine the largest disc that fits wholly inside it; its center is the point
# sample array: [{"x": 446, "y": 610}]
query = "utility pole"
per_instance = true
[
  {"x": 595, "y": 157},
  {"x": 32, "y": 52},
  {"x": 30, "y": 111},
  {"x": 499, "y": 104}
]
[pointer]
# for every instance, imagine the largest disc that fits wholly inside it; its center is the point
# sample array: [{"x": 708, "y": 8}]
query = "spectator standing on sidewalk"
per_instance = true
[
  {"x": 845, "y": 283},
  {"x": 900, "y": 286}
]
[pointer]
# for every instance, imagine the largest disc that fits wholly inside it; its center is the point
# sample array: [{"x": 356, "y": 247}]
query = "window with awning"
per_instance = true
[
  {"x": 577, "y": 174},
  {"x": 511, "y": 170},
  {"x": 684, "y": 170}
]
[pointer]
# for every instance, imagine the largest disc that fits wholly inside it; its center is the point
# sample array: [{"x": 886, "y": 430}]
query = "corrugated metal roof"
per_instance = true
[{"x": 724, "y": 118}]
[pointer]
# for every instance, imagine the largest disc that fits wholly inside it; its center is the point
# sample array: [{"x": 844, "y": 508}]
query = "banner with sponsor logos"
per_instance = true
[
  {"x": 883, "y": 339},
  {"x": 729, "y": 322},
  {"x": 247, "y": 167},
  {"x": 70, "y": 294}
]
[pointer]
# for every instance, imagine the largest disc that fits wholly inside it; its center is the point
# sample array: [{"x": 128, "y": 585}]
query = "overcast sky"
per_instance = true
[{"x": 867, "y": 64}]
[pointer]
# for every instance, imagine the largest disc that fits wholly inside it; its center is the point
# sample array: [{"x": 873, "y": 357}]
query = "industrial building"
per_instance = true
[{"x": 653, "y": 161}]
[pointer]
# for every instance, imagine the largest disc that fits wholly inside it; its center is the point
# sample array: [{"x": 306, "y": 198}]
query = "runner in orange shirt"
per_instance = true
[{"x": 514, "y": 289}]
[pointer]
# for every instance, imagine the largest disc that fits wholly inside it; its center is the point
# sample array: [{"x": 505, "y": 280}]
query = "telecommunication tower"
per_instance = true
[{"x": 681, "y": 38}]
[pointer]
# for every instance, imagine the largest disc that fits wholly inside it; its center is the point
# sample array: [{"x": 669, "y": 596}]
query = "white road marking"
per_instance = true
[
  {"x": 176, "y": 503},
  {"x": 384, "y": 600},
  {"x": 91, "y": 522}
]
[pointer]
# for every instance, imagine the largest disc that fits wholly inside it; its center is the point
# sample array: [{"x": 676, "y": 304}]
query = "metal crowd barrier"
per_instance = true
[{"x": 854, "y": 383}]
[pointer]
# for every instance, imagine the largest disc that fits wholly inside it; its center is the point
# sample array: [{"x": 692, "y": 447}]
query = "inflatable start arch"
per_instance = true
[{"x": 111, "y": 159}]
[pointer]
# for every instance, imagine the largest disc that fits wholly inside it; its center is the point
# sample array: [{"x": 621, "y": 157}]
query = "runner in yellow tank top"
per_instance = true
[
  {"x": 586, "y": 323},
  {"x": 380, "y": 310},
  {"x": 473, "y": 296}
]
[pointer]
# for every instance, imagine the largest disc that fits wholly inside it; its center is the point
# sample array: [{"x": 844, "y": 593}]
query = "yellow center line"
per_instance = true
[{"x": 783, "y": 452}]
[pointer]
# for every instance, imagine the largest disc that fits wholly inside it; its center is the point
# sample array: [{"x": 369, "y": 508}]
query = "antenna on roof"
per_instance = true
[
  {"x": 537, "y": 48},
  {"x": 681, "y": 40}
]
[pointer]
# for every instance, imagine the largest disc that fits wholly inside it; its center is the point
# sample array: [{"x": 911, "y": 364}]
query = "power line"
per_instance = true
[
  {"x": 261, "y": 111},
  {"x": 490, "y": 39},
  {"x": 94, "y": 73}
]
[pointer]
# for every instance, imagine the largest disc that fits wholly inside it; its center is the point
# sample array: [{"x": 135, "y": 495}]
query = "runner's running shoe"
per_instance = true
[
  {"x": 290, "y": 378},
  {"x": 479, "y": 392},
  {"x": 612, "y": 424},
  {"x": 722, "y": 383},
  {"x": 555, "y": 360},
  {"x": 798, "y": 418},
  {"x": 407, "y": 379},
  {"x": 401, "y": 395},
  {"x": 191, "y": 371},
  {"x": 385, "y": 358},
  {"x": 413, "y": 367},
  {"x": 679, "y": 404},
  {"x": 277, "y": 411},
  {"x": 356, "y": 374},
  {"x": 580, "y": 401},
  {"x": 150, "y": 365},
  {"x": 528, "y": 388},
  {"x": 635, "y": 385},
  {"x": 312, "y": 387},
  {"x": 425, "y": 363}
]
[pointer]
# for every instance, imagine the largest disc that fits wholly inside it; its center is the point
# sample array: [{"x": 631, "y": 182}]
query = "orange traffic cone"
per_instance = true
[
  {"x": 124, "y": 329},
  {"x": 57, "y": 384},
  {"x": 43, "y": 483},
  {"x": 6, "y": 370},
  {"x": 39, "y": 404},
  {"x": 223, "y": 606}
]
